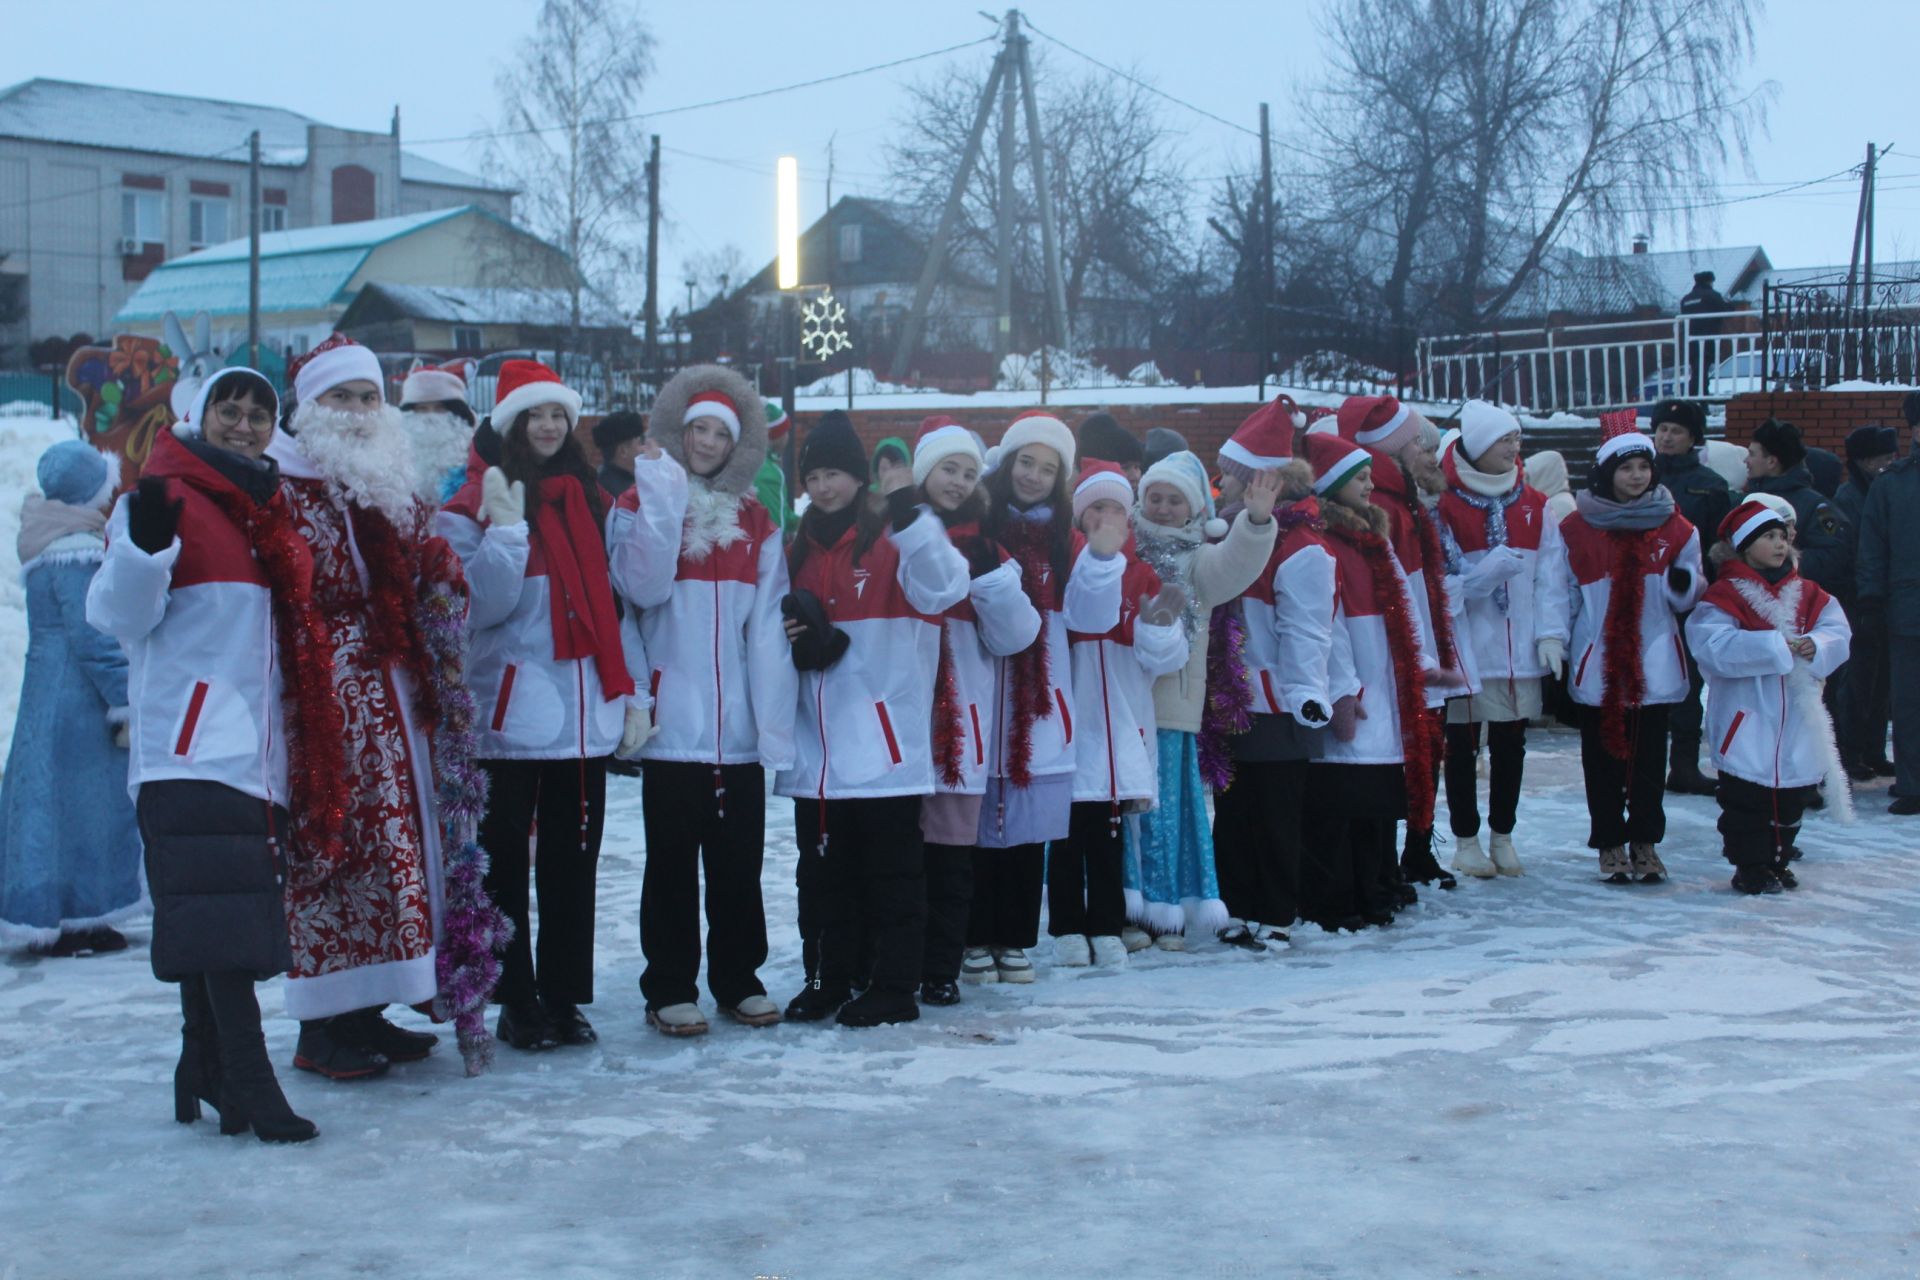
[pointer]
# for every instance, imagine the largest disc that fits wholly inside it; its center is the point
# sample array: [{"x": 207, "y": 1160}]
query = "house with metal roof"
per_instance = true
[
  {"x": 99, "y": 186},
  {"x": 474, "y": 319}
]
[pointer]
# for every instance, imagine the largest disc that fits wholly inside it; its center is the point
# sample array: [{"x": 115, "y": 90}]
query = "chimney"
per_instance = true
[
  {"x": 396, "y": 122},
  {"x": 1640, "y": 240}
]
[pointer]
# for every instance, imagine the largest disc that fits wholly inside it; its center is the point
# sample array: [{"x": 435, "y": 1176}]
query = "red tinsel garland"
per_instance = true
[
  {"x": 947, "y": 730},
  {"x": 1026, "y": 541},
  {"x": 1432, "y": 560},
  {"x": 1625, "y": 680},
  {"x": 1419, "y": 735}
]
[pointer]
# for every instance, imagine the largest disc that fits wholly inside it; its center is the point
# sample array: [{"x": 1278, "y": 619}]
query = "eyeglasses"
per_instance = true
[{"x": 229, "y": 414}]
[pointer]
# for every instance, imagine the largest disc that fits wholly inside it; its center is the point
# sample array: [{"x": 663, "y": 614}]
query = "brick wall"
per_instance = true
[{"x": 1824, "y": 417}]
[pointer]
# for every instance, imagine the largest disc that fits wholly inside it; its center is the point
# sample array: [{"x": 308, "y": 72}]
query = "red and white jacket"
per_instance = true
[
  {"x": 1504, "y": 646},
  {"x": 707, "y": 587},
  {"x": 1360, "y": 612},
  {"x": 1765, "y": 719},
  {"x": 995, "y": 621},
  {"x": 1295, "y": 655},
  {"x": 1593, "y": 558},
  {"x": 1427, "y": 583},
  {"x": 864, "y": 728},
  {"x": 1117, "y": 756},
  {"x": 203, "y": 665}
]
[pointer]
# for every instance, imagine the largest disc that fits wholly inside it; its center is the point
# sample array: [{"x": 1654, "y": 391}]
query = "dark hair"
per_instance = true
[
  {"x": 1000, "y": 512},
  {"x": 972, "y": 508},
  {"x": 235, "y": 384},
  {"x": 890, "y": 452},
  {"x": 617, "y": 428},
  {"x": 518, "y": 462},
  {"x": 868, "y": 520}
]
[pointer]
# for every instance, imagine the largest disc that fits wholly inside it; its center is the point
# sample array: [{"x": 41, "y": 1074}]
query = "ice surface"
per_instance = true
[{"x": 1537, "y": 1077}]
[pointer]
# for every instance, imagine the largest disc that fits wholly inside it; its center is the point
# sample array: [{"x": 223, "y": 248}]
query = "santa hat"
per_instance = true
[
  {"x": 778, "y": 421},
  {"x": 1335, "y": 461},
  {"x": 1748, "y": 521},
  {"x": 1264, "y": 441},
  {"x": 715, "y": 404},
  {"x": 1185, "y": 472},
  {"x": 77, "y": 474},
  {"x": 1778, "y": 505},
  {"x": 1378, "y": 422},
  {"x": 1035, "y": 426},
  {"x": 1323, "y": 422},
  {"x": 526, "y": 383},
  {"x": 434, "y": 384},
  {"x": 1620, "y": 437},
  {"x": 339, "y": 359},
  {"x": 941, "y": 437},
  {"x": 1484, "y": 425},
  {"x": 1100, "y": 479}
]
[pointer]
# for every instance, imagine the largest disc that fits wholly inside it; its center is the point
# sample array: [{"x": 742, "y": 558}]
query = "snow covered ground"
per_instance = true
[{"x": 1534, "y": 1077}]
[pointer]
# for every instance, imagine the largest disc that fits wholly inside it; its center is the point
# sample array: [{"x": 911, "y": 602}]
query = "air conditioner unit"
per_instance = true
[{"x": 129, "y": 246}]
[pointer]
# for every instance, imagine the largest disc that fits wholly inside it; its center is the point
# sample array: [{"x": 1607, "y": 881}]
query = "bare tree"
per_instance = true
[{"x": 571, "y": 143}]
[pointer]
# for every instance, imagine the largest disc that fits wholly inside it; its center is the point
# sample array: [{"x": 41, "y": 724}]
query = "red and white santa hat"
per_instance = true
[
  {"x": 1748, "y": 521},
  {"x": 435, "y": 384},
  {"x": 1264, "y": 441},
  {"x": 715, "y": 404},
  {"x": 1335, "y": 461},
  {"x": 1033, "y": 426},
  {"x": 526, "y": 383},
  {"x": 1483, "y": 425},
  {"x": 1101, "y": 479},
  {"x": 1620, "y": 435},
  {"x": 339, "y": 359},
  {"x": 941, "y": 437},
  {"x": 1379, "y": 422}
]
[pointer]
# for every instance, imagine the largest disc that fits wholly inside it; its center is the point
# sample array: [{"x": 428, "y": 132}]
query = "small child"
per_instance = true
[{"x": 1767, "y": 639}]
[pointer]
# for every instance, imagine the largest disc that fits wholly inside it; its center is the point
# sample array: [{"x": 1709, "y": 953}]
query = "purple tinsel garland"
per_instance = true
[
  {"x": 1229, "y": 697},
  {"x": 474, "y": 931}
]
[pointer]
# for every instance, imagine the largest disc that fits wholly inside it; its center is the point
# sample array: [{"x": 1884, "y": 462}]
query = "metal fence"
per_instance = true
[{"x": 1824, "y": 332}]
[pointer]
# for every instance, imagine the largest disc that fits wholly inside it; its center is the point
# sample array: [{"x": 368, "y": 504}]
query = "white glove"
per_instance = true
[
  {"x": 1494, "y": 568},
  {"x": 1553, "y": 655},
  {"x": 123, "y": 736},
  {"x": 639, "y": 728},
  {"x": 501, "y": 502}
]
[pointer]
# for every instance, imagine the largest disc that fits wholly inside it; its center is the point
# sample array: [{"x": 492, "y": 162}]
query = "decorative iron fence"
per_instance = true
[{"x": 1822, "y": 332}]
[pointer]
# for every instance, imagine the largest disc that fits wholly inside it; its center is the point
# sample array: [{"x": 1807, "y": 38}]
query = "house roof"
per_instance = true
[
  {"x": 1621, "y": 284},
  {"x": 92, "y": 115},
  {"x": 1908, "y": 269},
  {"x": 460, "y": 305}
]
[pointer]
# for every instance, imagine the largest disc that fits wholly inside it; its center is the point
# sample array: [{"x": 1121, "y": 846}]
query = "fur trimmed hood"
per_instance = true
[
  {"x": 1345, "y": 519},
  {"x": 667, "y": 422}
]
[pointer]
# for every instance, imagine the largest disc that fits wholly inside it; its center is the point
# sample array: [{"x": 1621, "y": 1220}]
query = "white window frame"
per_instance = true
[
  {"x": 851, "y": 237},
  {"x": 198, "y": 208},
  {"x": 478, "y": 338},
  {"x": 143, "y": 215},
  {"x": 273, "y": 217}
]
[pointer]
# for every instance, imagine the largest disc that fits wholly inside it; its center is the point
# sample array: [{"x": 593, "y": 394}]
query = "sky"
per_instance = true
[{"x": 438, "y": 62}]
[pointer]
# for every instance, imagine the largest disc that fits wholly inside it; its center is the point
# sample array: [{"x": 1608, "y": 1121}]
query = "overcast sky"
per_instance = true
[{"x": 1843, "y": 70}]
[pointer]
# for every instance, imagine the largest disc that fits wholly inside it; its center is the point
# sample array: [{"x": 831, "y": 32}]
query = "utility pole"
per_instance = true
[
  {"x": 1265, "y": 278},
  {"x": 1866, "y": 285},
  {"x": 1003, "y": 220},
  {"x": 653, "y": 257},
  {"x": 253, "y": 244},
  {"x": 1043, "y": 193}
]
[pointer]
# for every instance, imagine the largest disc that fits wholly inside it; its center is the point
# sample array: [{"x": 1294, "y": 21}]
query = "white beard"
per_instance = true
[
  {"x": 366, "y": 454},
  {"x": 440, "y": 442}
]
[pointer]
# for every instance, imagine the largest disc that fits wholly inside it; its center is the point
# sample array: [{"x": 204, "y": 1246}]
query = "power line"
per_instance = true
[{"x": 1136, "y": 81}]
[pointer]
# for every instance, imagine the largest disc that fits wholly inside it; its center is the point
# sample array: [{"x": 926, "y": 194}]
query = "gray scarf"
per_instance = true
[{"x": 1648, "y": 511}]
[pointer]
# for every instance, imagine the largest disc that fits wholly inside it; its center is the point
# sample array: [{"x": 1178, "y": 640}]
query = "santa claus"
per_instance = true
[{"x": 364, "y": 920}]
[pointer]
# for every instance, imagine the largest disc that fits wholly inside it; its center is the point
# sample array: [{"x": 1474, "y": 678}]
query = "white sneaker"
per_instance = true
[
  {"x": 1470, "y": 860},
  {"x": 1171, "y": 942},
  {"x": 1136, "y": 938},
  {"x": 678, "y": 1020},
  {"x": 1109, "y": 952},
  {"x": 1505, "y": 860},
  {"x": 977, "y": 965},
  {"x": 1013, "y": 965},
  {"x": 754, "y": 1011},
  {"x": 1072, "y": 951}
]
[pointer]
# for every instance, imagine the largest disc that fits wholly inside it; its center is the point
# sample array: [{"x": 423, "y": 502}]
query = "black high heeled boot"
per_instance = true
[
  {"x": 250, "y": 1096},
  {"x": 196, "y": 1077}
]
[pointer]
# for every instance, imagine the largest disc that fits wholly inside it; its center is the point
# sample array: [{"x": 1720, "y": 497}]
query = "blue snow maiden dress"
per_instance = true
[{"x": 70, "y": 850}]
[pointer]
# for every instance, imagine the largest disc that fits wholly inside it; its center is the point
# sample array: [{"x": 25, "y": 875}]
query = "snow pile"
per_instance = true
[
  {"x": 26, "y": 431},
  {"x": 865, "y": 383},
  {"x": 1062, "y": 369},
  {"x": 1324, "y": 366},
  {"x": 1147, "y": 375}
]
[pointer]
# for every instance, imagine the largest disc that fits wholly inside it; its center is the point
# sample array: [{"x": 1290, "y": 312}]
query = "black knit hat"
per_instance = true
[
  {"x": 616, "y": 429},
  {"x": 1871, "y": 441},
  {"x": 1910, "y": 408},
  {"x": 1782, "y": 442},
  {"x": 1690, "y": 414},
  {"x": 1102, "y": 437},
  {"x": 833, "y": 444}
]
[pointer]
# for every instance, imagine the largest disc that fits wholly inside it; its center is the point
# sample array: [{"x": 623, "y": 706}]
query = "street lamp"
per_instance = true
[{"x": 787, "y": 229}]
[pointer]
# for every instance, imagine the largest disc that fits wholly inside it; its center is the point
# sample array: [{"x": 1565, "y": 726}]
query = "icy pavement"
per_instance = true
[{"x": 1534, "y": 1077}]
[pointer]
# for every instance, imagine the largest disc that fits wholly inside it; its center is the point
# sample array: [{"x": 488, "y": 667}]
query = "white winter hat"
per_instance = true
[
  {"x": 433, "y": 384},
  {"x": 1101, "y": 479},
  {"x": 941, "y": 437},
  {"x": 337, "y": 360},
  {"x": 1035, "y": 426},
  {"x": 1484, "y": 425},
  {"x": 1185, "y": 472}
]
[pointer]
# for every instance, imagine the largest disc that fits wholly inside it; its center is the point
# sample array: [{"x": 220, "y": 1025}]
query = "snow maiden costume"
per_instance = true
[
  {"x": 1174, "y": 890},
  {"x": 702, "y": 561},
  {"x": 69, "y": 846}
]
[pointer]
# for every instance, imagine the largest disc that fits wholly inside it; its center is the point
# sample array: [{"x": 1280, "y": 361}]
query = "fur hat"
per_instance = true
[
  {"x": 340, "y": 359},
  {"x": 1185, "y": 472},
  {"x": 1101, "y": 436},
  {"x": 1871, "y": 441},
  {"x": 832, "y": 444},
  {"x": 1335, "y": 461},
  {"x": 78, "y": 474},
  {"x": 1690, "y": 414},
  {"x": 435, "y": 384},
  {"x": 616, "y": 429},
  {"x": 940, "y": 438},
  {"x": 1378, "y": 422},
  {"x": 1100, "y": 479},
  {"x": 674, "y": 407},
  {"x": 1483, "y": 425},
  {"x": 1033, "y": 426},
  {"x": 527, "y": 384},
  {"x": 1781, "y": 441},
  {"x": 1748, "y": 521},
  {"x": 1162, "y": 441},
  {"x": 1264, "y": 441}
]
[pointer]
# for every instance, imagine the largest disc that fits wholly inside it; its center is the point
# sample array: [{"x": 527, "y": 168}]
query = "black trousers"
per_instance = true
[
  {"x": 1626, "y": 798},
  {"x": 568, "y": 800},
  {"x": 1869, "y": 697},
  {"x": 1352, "y": 816},
  {"x": 1006, "y": 897},
  {"x": 1507, "y": 766},
  {"x": 1086, "y": 893},
  {"x": 1759, "y": 824},
  {"x": 696, "y": 821},
  {"x": 1257, "y": 840},
  {"x": 949, "y": 905},
  {"x": 1903, "y": 662},
  {"x": 862, "y": 892},
  {"x": 1688, "y": 716}
]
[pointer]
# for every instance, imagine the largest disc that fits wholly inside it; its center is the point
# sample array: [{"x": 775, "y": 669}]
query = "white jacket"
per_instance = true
[
  {"x": 1765, "y": 719},
  {"x": 718, "y": 669},
  {"x": 1504, "y": 645},
  {"x": 1294, "y": 653},
  {"x": 1117, "y": 755},
  {"x": 994, "y": 621},
  {"x": 1590, "y": 554},
  {"x": 1360, "y": 612},
  {"x": 865, "y": 723}
]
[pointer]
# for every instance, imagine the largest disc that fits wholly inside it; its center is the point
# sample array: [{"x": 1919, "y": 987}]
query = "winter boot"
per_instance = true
[
  {"x": 976, "y": 965},
  {"x": 196, "y": 1078},
  {"x": 570, "y": 1026},
  {"x": 878, "y": 1007},
  {"x": 376, "y": 1035},
  {"x": 1170, "y": 941},
  {"x": 1505, "y": 860},
  {"x": 250, "y": 1096},
  {"x": 1109, "y": 952},
  {"x": 1470, "y": 860},
  {"x": 1072, "y": 951},
  {"x": 1755, "y": 879},
  {"x": 523, "y": 1025},
  {"x": 1683, "y": 770},
  {"x": 1613, "y": 865},
  {"x": 1013, "y": 965},
  {"x": 1784, "y": 873},
  {"x": 1272, "y": 937},
  {"x": 1236, "y": 934},
  {"x": 679, "y": 1020},
  {"x": 1136, "y": 938},
  {"x": 331, "y": 1047},
  {"x": 940, "y": 993},
  {"x": 1645, "y": 863},
  {"x": 1419, "y": 866},
  {"x": 817, "y": 1000},
  {"x": 754, "y": 1011}
]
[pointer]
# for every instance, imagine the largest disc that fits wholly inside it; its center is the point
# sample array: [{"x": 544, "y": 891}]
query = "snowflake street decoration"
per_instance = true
[{"x": 823, "y": 327}]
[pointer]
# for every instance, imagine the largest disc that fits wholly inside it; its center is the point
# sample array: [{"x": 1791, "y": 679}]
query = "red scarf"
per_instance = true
[
  {"x": 579, "y": 590},
  {"x": 1027, "y": 541},
  {"x": 1624, "y": 679}
]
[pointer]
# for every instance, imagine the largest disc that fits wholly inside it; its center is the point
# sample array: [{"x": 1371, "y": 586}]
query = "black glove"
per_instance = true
[
  {"x": 820, "y": 645},
  {"x": 152, "y": 517},
  {"x": 1679, "y": 579},
  {"x": 903, "y": 507},
  {"x": 1313, "y": 713},
  {"x": 983, "y": 557}
]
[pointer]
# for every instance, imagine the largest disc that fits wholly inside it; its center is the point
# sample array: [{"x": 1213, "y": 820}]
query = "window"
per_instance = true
[
  {"x": 143, "y": 217},
  {"x": 850, "y": 243},
  {"x": 273, "y": 217},
  {"x": 207, "y": 221},
  {"x": 466, "y": 337}
]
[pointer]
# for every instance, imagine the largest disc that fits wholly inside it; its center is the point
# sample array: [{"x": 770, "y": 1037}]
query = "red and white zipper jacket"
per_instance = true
[
  {"x": 717, "y": 666},
  {"x": 1505, "y": 646},
  {"x": 995, "y": 621},
  {"x": 1590, "y": 555},
  {"x": 1295, "y": 654},
  {"x": 1117, "y": 757},
  {"x": 865, "y": 724},
  {"x": 1360, "y": 614}
]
